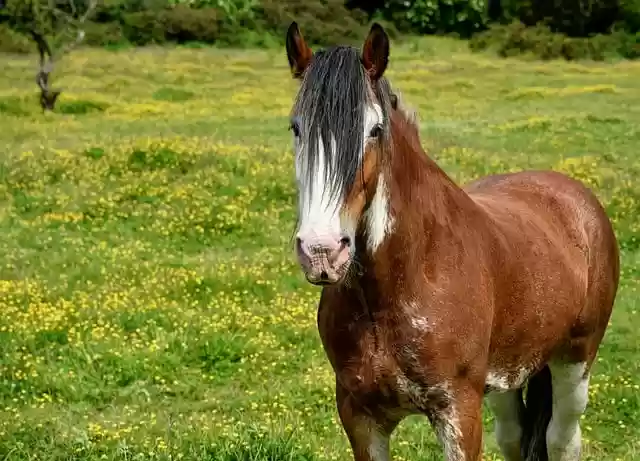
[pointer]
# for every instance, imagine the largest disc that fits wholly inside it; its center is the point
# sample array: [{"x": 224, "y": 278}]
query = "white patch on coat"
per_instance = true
[
  {"x": 418, "y": 320},
  {"x": 379, "y": 221},
  {"x": 504, "y": 381},
  {"x": 498, "y": 381},
  {"x": 570, "y": 390}
]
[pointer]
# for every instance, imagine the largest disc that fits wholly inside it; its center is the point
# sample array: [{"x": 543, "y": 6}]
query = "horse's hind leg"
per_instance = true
[
  {"x": 570, "y": 391},
  {"x": 506, "y": 408}
]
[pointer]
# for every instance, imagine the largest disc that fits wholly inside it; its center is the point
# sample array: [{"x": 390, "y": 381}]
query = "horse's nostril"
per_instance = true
[
  {"x": 345, "y": 241},
  {"x": 324, "y": 275}
]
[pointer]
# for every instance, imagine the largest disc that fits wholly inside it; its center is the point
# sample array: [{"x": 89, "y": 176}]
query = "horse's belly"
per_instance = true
[{"x": 504, "y": 379}]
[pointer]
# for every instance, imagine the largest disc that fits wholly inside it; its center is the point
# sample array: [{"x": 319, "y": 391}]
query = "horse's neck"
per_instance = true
[
  {"x": 422, "y": 196},
  {"x": 427, "y": 212}
]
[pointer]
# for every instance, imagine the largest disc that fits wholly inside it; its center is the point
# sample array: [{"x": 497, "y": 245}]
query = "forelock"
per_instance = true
[{"x": 330, "y": 105}]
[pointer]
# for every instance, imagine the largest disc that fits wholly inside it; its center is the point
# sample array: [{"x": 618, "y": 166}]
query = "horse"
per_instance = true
[{"x": 435, "y": 296}]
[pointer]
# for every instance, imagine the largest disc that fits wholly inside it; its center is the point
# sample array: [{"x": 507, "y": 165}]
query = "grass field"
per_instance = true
[{"x": 151, "y": 306}]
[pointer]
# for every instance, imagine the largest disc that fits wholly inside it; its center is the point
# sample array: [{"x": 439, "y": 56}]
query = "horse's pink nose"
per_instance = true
[{"x": 323, "y": 257}]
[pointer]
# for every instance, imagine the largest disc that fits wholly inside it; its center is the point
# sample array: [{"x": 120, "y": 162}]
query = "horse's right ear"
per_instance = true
[
  {"x": 298, "y": 52},
  {"x": 375, "y": 52}
]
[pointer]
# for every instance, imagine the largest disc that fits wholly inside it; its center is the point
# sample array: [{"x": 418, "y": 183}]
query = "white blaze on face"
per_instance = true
[{"x": 320, "y": 212}]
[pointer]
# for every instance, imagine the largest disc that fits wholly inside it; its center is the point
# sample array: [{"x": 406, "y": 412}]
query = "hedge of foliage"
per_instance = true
[
  {"x": 231, "y": 22},
  {"x": 554, "y": 28},
  {"x": 539, "y": 40}
]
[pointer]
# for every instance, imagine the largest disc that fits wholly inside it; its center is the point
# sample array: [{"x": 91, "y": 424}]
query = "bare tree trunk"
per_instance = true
[{"x": 48, "y": 57}]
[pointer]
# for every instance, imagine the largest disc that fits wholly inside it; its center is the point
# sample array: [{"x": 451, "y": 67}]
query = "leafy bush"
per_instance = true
[
  {"x": 628, "y": 44},
  {"x": 326, "y": 22},
  {"x": 103, "y": 34},
  {"x": 234, "y": 11},
  {"x": 14, "y": 42},
  {"x": 180, "y": 24},
  {"x": 541, "y": 41},
  {"x": 184, "y": 24},
  {"x": 463, "y": 17},
  {"x": 630, "y": 15},
  {"x": 577, "y": 18},
  {"x": 143, "y": 27}
]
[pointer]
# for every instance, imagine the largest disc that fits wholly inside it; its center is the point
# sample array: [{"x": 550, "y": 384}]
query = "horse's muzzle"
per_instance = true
[{"x": 324, "y": 260}]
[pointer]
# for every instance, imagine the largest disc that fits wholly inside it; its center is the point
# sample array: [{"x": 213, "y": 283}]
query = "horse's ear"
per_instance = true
[
  {"x": 298, "y": 52},
  {"x": 375, "y": 52}
]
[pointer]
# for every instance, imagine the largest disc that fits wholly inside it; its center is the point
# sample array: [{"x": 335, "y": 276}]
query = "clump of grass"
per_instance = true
[
  {"x": 15, "y": 106},
  {"x": 78, "y": 107},
  {"x": 172, "y": 94}
]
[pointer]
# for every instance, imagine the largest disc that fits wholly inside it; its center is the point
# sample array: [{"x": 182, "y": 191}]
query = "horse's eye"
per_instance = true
[
  {"x": 376, "y": 131},
  {"x": 295, "y": 128}
]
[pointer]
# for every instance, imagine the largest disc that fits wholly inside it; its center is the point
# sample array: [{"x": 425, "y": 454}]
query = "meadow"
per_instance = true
[{"x": 151, "y": 307}]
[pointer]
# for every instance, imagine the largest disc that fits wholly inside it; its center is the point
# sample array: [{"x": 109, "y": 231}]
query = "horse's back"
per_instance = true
[
  {"x": 548, "y": 196},
  {"x": 555, "y": 233},
  {"x": 564, "y": 206}
]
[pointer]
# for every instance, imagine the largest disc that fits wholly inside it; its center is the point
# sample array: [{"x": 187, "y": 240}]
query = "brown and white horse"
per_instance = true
[{"x": 435, "y": 295}]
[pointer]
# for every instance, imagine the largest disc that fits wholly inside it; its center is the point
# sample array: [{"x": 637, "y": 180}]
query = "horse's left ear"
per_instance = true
[
  {"x": 298, "y": 52},
  {"x": 375, "y": 52}
]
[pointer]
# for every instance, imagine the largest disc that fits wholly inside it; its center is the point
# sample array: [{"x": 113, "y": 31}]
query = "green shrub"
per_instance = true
[
  {"x": 180, "y": 24},
  {"x": 103, "y": 34},
  {"x": 14, "y": 42},
  {"x": 630, "y": 15},
  {"x": 577, "y": 18},
  {"x": 234, "y": 11},
  {"x": 184, "y": 24},
  {"x": 516, "y": 38},
  {"x": 322, "y": 22},
  {"x": 628, "y": 44},
  {"x": 463, "y": 17},
  {"x": 143, "y": 28}
]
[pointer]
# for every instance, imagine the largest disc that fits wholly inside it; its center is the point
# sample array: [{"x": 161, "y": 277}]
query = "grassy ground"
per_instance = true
[{"x": 151, "y": 307}]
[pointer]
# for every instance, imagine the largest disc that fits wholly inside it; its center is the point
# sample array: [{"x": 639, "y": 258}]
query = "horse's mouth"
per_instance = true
[{"x": 327, "y": 277}]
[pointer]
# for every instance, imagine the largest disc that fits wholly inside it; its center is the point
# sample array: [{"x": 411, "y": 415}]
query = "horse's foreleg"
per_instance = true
[
  {"x": 458, "y": 425},
  {"x": 368, "y": 433},
  {"x": 570, "y": 390}
]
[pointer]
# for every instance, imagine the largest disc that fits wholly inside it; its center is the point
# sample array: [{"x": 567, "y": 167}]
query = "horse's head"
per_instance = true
[{"x": 341, "y": 128}]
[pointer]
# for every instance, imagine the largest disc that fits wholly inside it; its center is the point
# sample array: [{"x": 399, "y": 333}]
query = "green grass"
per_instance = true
[{"x": 151, "y": 306}]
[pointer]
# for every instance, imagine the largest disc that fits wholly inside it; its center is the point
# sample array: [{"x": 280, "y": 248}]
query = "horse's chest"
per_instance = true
[{"x": 379, "y": 375}]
